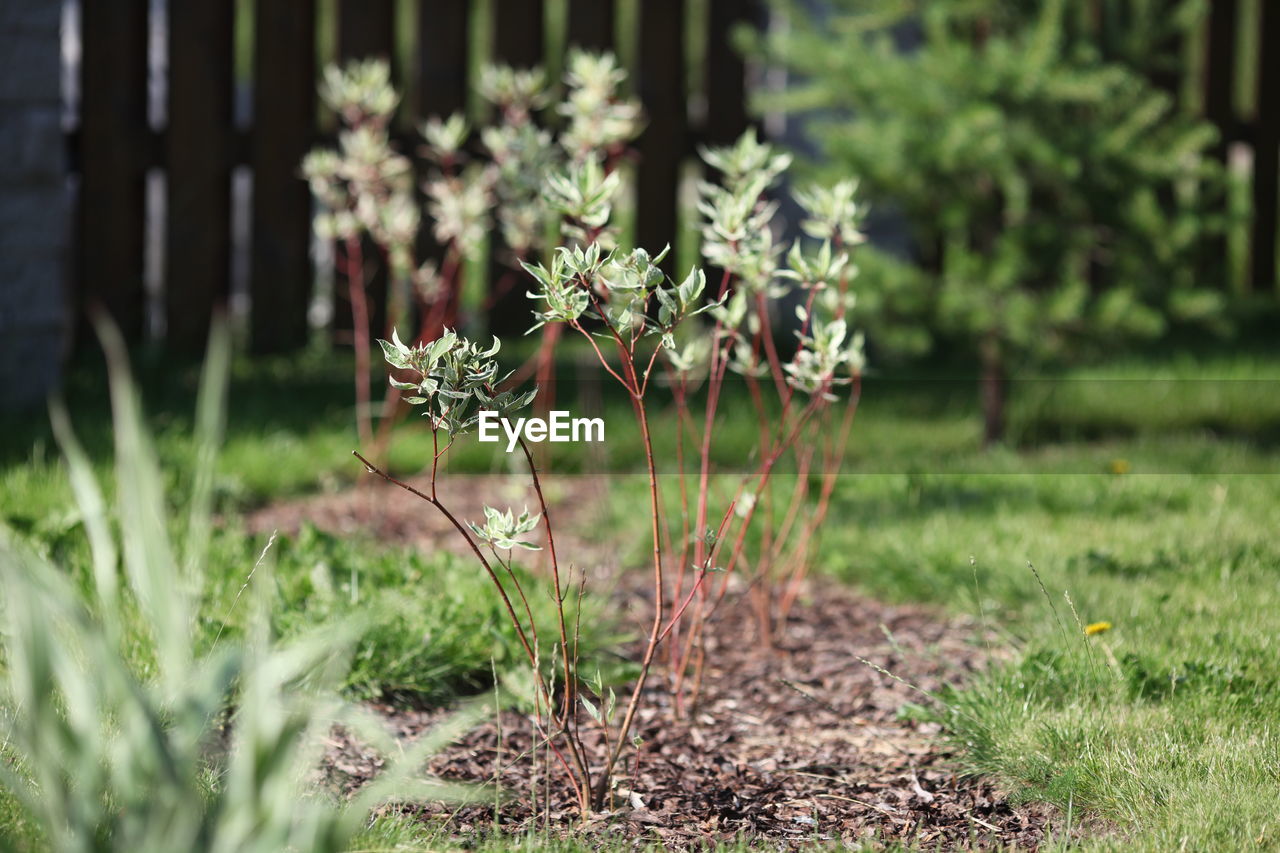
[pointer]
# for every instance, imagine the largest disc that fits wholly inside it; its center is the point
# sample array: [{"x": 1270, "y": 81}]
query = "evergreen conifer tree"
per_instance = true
[{"x": 1051, "y": 186}]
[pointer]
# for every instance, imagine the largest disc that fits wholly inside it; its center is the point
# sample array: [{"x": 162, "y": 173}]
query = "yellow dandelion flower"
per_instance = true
[
  {"x": 1119, "y": 466},
  {"x": 1096, "y": 628}
]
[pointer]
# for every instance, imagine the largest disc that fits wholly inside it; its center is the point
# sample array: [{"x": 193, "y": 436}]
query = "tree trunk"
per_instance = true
[{"x": 993, "y": 393}]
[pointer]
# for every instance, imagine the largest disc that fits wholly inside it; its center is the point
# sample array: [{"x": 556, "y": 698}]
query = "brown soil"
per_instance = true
[
  {"x": 395, "y": 516},
  {"x": 806, "y": 743}
]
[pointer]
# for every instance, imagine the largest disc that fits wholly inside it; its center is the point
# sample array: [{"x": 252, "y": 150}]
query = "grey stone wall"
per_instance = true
[{"x": 34, "y": 214}]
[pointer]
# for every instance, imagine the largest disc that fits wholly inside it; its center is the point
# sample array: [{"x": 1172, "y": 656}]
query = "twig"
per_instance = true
[{"x": 248, "y": 578}]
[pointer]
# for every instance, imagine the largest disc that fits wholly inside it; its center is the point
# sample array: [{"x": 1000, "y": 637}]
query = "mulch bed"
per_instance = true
[{"x": 801, "y": 744}]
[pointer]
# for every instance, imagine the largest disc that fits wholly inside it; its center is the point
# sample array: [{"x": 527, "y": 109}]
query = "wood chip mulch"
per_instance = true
[{"x": 800, "y": 745}]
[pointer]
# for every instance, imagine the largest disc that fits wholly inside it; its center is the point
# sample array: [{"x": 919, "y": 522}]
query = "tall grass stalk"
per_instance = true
[{"x": 119, "y": 733}]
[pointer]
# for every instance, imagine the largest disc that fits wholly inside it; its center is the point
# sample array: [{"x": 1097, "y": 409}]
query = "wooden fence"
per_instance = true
[
  {"x": 1231, "y": 26},
  {"x": 114, "y": 146}
]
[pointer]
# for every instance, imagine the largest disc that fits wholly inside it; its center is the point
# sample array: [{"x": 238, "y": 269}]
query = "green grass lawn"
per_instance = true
[
  {"x": 1164, "y": 727},
  {"x": 1145, "y": 495},
  {"x": 1159, "y": 733}
]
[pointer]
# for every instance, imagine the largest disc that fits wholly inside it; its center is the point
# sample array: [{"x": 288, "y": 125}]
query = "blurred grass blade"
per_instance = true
[
  {"x": 403, "y": 780},
  {"x": 93, "y": 511},
  {"x": 213, "y": 754},
  {"x": 211, "y": 406},
  {"x": 153, "y": 573}
]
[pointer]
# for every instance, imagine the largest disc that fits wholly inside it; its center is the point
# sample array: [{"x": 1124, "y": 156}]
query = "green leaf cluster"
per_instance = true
[
  {"x": 737, "y": 217},
  {"x": 502, "y": 530},
  {"x": 1055, "y": 195},
  {"x": 457, "y": 378},
  {"x": 617, "y": 288},
  {"x": 360, "y": 91},
  {"x": 364, "y": 186},
  {"x": 738, "y": 235},
  {"x": 537, "y": 175}
]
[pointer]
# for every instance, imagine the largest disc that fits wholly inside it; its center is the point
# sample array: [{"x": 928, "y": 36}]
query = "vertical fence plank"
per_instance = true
[
  {"x": 1219, "y": 78},
  {"x": 442, "y": 57},
  {"x": 366, "y": 30},
  {"x": 284, "y": 124},
  {"x": 726, "y": 86},
  {"x": 726, "y": 73},
  {"x": 664, "y": 142},
  {"x": 113, "y": 133},
  {"x": 1266, "y": 154},
  {"x": 198, "y": 254},
  {"x": 519, "y": 38},
  {"x": 519, "y": 32},
  {"x": 591, "y": 24},
  {"x": 1167, "y": 67},
  {"x": 1219, "y": 109},
  {"x": 442, "y": 60}
]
